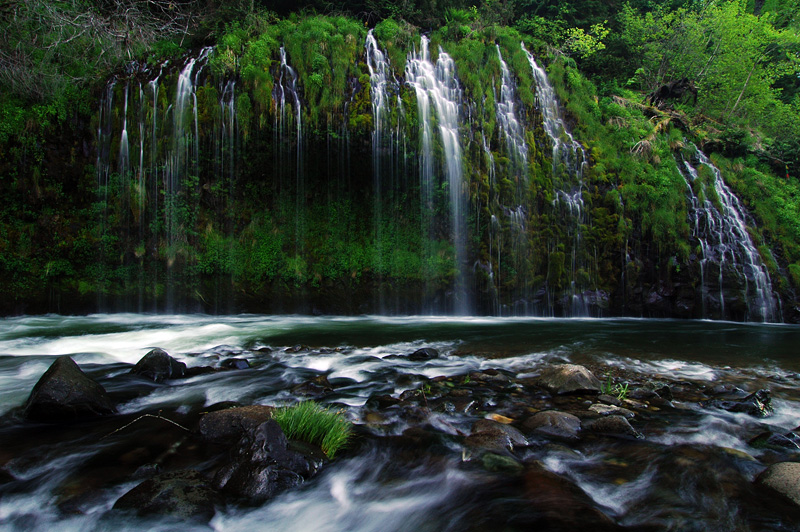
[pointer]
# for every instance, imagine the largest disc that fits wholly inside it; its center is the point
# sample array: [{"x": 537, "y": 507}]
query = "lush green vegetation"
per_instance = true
[
  {"x": 312, "y": 423},
  {"x": 263, "y": 216}
]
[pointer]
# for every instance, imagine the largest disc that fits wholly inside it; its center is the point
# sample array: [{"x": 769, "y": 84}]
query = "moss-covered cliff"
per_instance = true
[{"x": 261, "y": 174}]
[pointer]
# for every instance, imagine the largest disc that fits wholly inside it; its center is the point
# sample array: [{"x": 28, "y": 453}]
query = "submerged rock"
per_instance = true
[
  {"x": 501, "y": 464},
  {"x": 782, "y": 478},
  {"x": 555, "y": 503},
  {"x": 158, "y": 366},
  {"x": 235, "y": 363},
  {"x": 65, "y": 392},
  {"x": 231, "y": 424},
  {"x": 264, "y": 466},
  {"x": 180, "y": 494},
  {"x": 426, "y": 353},
  {"x": 568, "y": 378},
  {"x": 554, "y": 424}
]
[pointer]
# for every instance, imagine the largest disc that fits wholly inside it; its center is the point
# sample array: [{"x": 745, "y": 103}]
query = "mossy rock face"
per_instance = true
[{"x": 65, "y": 392}]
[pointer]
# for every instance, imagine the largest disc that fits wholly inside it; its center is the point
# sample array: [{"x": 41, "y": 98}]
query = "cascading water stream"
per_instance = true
[
  {"x": 286, "y": 98},
  {"x": 227, "y": 138},
  {"x": 566, "y": 149},
  {"x": 569, "y": 159},
  {"x": 438, "y": 90},
  {"x": 510, "y": 125},
  {"x": 382, "y": 138},
  {"x": 725, "y": 243}
]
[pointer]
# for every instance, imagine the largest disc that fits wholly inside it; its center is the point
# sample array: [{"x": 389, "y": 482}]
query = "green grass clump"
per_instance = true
[{"x": 312, "y": 423}]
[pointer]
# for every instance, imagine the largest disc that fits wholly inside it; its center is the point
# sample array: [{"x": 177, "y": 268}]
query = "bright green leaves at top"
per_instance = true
[{"x": 582, "y": 43}]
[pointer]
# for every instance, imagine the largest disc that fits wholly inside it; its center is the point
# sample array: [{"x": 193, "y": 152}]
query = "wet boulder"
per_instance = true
[
  {"x": 554, "y": 424},
  {"x": 568, "y": 378},
  {"x": 263, "y": 465},
  {"x": 235, "y": 363},
  {"x": 611, "y": 410},
  {"x": 783, "y": 479},
  {"x": 493, "y": 436},
  {"x": 556, "y": 503},
  {"x": 158, "y": 366},
  {"x": 184, "y": 495},
  {"x": 757, "y": 404},
  {"x": 615, "y": 425},
  {"x": 426, "y": 353},
  {"x": 64, "y": 392},
  {"x": 230, "y": 424},
  {"x": 776, "y": 442}
]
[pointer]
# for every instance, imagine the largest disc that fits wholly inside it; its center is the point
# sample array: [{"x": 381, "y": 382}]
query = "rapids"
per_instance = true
[{"x": 692, "y": 471}]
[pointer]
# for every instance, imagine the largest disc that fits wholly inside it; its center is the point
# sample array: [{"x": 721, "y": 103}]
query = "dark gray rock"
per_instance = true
[
  {"x": 616, "y": 425},
  {"x": 229, "y": 425},
  {"x": 783, "y": 479},
  {"x": 568, "y": 378},
  {"x": 493, "y": 436},
  {"x": 555, "y": 503},
  {"x": 382, "y": 401},
  {"x": 757, "y": 404},
  {"x": 610, "y": 410},
  {"x": 235, "y": 363},
  {"x": 179, "y": 494},
  {"x": 64, "y": 392},
  {"x": 609, "y": 400},
  {"x": 777, "y": 442},
  {"x": 554, "y": 424},
  {"x": 497, "y": 463},
  {"x": 158, "y": 366},
  {"x": 426, "y": 353},
  {"x": 264, "y": 466}
]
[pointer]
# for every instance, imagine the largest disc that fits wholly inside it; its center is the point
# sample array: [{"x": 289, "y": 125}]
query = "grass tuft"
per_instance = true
[{"x": 312, "y": 423}]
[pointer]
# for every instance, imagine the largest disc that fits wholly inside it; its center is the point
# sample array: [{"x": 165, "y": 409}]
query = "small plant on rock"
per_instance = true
[
  {"x": 312, "y": 423},
  {"x": 618, "y": 390}
]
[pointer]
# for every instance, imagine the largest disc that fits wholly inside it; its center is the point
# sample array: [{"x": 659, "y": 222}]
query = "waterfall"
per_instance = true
[
  {"x": 726, "y": 244},
  {"x": 287, "y": 100},
  {"x": 512, "y": 128},
  {"x": 227, "y": 134},
  {"x": 569, "y": 159},
  {"x": 124, "y": 147},
  {"x": 438, "y": 91},
  {"x": 382, "y": 141},
  {"x": 566, "y": 150}
]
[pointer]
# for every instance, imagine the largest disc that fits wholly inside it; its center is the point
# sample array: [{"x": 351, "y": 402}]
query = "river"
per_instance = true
[{"x": 692, "y": 470}]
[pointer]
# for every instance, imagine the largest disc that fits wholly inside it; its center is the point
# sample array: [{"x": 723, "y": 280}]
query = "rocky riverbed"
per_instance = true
[{"x": 448, "y": 435}]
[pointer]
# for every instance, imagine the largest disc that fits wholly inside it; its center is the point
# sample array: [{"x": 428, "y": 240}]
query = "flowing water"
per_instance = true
[
  {"x": 726, "y": 245},
  {"x": 438, "y": 100},
  {"x": 692, "y": 471}
]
